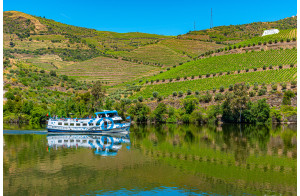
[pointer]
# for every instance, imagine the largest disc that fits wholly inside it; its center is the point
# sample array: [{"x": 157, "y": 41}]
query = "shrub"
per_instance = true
[
  {"x": 255, "y": 86},
  {"x": 265, "y": 43},
  {"x": 160, "y": 98},
  {"x": 200, "y": 76},
  {"x": 134, "y": 101},
  {"x": 294, "y": 39},
  {"x": 222, "y": 89},
  {"x": 214, "y": 90},
  {"x": 177, "y": 78},
  {"x": 255, "y": 69},
  {"x": 193, "y": 77},
  {"x": 252, "y": 93},
  {"x": 292, "y": 65},
  {"x": 157, "y": 80},
  {"x": 281, "y": 40},
  {"x": 280, "y": 66},
  {"x": 155, "y": 94},
  {"x": 197, "y": 92},
  {"x": 253, "y": 44},
  {"x": 270, "y": 67},
  {"x": 174, "y": 94},
  {"x": 283, "y": 85},
  {"x": 174, "y": 66},
  {"x": 168, "y": 68},
  {"x": 189, "y": 92},
  {"x": 262, "y": 50},
  {"x": 185, "y": 77},
  {"x": 147, "y": 81},
  {"x": 293, "y": 84},
  {"x": 239, "y": 71},
  {"x": 207, "y": 75},
  {"x": 140, "y": 81},
  {"x": 287, "y": 97},
  {"x": 152, "y": 81},
  {"x": 288, "y": 40},
  {"x": 247, "y": 70},
  {"x": 270, "y": 41},
  {"x": 42, "y": 71},
  {"x": 262, "y": 91},
  {"x": 207, "y": 97},
  {"x": 276, "y": 41},
  {"x": 170, "y": 80},
  {"x": 180, "y": 94},
  {"x": 249, "y": 45},
  {"x": 274, "y": 87},
  {"x": 259, "y": 43},
  {"x": 163, "y": 80},
  {"x": 161, "y": 72},
  {"x": 219, "y": 97},
  {"x": 264, "y": 67},
  {"x": 220, "y": 73},
  {"x": 152, "y": 98},
  {"x": 140, "y": 98},
  {"x": 228, "y": 72}
]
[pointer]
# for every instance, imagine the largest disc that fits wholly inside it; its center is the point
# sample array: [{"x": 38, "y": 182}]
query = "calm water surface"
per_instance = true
[{"x": 152, "y": 160}]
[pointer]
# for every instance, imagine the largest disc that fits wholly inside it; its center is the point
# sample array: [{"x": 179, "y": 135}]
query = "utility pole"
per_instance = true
[{"x": 211, "y": 20}]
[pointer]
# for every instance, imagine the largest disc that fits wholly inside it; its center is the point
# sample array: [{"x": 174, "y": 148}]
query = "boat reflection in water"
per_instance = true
[{"x": 105, "y": 145}]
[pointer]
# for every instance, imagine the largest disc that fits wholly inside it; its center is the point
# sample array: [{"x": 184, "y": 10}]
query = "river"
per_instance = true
[{"x": 152, "y": 160}]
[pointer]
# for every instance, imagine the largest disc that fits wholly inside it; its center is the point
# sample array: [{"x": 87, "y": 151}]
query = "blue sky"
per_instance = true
[{"x": 169, "y": 17}]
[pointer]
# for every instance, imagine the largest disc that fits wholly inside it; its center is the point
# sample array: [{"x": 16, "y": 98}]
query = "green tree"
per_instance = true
[{"x": 189, "y": 104}]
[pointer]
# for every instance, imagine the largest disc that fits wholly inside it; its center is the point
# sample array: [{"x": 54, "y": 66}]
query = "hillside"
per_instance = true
[
  {"x": 237, "y": 33},
  {"x": 50, "y": 66}
]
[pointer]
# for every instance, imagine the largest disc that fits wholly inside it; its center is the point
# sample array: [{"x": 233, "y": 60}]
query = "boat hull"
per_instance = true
[{"x": 124, "y": 129}]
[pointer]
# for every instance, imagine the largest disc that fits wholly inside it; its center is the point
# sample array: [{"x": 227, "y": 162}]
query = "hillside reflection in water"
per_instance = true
[{"x": 160, "y": 159}]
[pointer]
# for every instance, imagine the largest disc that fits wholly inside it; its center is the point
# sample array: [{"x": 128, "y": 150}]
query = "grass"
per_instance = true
[
  {"x": 231, "y": 62},
  {"x": 283, "y": 34},
  {"x": 107, "y": 69},
  {"x": 192, "y": 48},
  {"x": 267, "y": 77},
  {"x": 154, "y": 54}
]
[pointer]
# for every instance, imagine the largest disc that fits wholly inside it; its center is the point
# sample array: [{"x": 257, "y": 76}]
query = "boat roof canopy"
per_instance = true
[{"x": 107, "y": 112}]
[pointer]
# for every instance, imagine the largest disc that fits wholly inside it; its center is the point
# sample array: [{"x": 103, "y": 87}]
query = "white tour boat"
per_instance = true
[{"x": 105, "y": 122}]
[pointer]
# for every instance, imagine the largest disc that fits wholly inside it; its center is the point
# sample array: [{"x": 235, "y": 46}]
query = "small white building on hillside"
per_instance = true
[{"x": 270, "y": 32}]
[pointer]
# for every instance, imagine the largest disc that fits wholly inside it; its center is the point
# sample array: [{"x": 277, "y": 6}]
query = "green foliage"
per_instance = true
[
  {"x": 189, "y": 104},
  {"x": 287, "y": 97},
  {"x": 257, "y": 112}
]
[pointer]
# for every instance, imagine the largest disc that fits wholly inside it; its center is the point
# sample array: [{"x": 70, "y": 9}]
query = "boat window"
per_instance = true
[
  {"x": 59, "y": 141},
  {"x": 117, "y": 121},
  {"x": 84, "y": 141},
  {"x": 66, "y": 141},
  {"x": 98, "y": 123},
  {"x": 71, "y": 141},
  {"x": 91, "y": 141},
  {"x": 109, "y": 122},
  {"x": 66, "y": 124},
  {"x": 91, "y": 124},
  {"x": 77, "y": 140},
  {"x": 84, "y": 124},
  {"x": 71, "y": 124},
  {"x": 101, "y": 116},
  {"x": 77, "y": 124},
  {"x": 59, "y": 123},
  {"x": 111, "y": 114}
]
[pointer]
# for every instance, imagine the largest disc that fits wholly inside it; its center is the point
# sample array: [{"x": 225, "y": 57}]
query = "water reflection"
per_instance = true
[
  {"x": 163, "y": 159},
  {"x": 103, "y": 145}
]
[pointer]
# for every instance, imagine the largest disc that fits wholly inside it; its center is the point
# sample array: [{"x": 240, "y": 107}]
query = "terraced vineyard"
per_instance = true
[
  {"x": 283, "y": 34},
  {"x": 267, "y": 77},
  {"x": 231, "y": 62}
]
